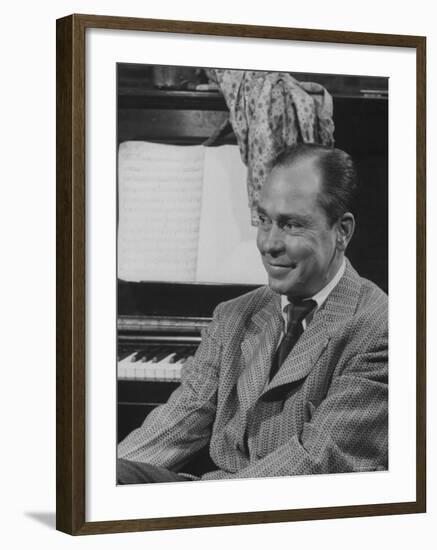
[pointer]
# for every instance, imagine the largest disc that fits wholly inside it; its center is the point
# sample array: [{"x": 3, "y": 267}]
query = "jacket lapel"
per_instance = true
[
  {"x": 337, "y": 309},
  {"x": 258, "y": 348}
]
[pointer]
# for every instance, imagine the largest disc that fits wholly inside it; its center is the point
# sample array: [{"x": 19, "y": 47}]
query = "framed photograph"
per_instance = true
[{"x": 240, "y": 274}]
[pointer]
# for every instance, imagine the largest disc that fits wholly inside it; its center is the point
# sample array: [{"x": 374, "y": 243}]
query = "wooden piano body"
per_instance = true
[{"x": 156, "y": 320}]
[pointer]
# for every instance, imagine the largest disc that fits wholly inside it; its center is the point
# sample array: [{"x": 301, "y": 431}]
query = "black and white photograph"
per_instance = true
[{"x": 252, "y": 273}]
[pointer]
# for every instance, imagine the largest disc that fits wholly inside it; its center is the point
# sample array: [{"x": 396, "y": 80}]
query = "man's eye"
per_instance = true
[
  {"x": 291, "y": 226},
  {"x": 263, "y": 220}
]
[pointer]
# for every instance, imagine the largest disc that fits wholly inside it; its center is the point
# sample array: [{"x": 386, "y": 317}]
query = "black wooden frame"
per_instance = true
[{"x": 71, "y": 247}]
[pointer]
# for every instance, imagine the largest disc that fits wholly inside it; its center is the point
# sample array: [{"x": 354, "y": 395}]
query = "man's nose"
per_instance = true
[{"x": 274, "y": 242}]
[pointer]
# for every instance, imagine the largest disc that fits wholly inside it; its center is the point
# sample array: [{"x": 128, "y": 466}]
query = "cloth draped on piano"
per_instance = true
[
  {"x": 268, "y": 112},
  {"x": 324, "y": 411}
]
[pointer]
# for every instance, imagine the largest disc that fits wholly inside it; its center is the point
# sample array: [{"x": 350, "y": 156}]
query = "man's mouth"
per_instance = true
[{"x": 279, "y": 267}]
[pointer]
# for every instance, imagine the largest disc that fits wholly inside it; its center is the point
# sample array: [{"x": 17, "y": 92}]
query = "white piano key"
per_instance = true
[
  {"x": 174, "y": 375},
  {"x": 121, "y": 371},
  {"x": 150, "y": 371},
  {"x": 160, "y": 371},
  {"x": 168, "y": 367},
  {"x": 121, "y": 367},
  {"x": 161, "y": 367},
  {"x": 153, "y": 371},
  {"x": 130, "y": 370},
  {"x": 169, "y": 372},
  {"x": 140, "y": 370}
]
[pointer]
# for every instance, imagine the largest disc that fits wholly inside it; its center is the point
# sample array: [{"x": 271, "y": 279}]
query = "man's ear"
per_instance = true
[{"x": 345, "y": 230}]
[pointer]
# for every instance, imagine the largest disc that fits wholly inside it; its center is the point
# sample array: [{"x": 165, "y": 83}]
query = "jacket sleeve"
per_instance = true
[
  {"x": 346, "y": 432},
  {"x": 173, "y": 432}
]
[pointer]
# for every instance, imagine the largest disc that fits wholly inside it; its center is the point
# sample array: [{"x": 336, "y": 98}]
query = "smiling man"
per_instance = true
[
  {"x": 305, "y": 223},
  {"x": 291, "y": 378}
]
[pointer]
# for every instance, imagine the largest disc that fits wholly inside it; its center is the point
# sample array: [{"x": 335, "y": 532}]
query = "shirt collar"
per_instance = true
[{"x": 321, "y": 296}]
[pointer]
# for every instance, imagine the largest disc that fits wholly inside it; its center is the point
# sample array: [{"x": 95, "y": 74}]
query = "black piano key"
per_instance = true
[
  {"x": 179, "y": 355},
  {"x": 160, "y": 355},
  {"x": 123, "y": 353},
  {"x": 189, "y": 352},
  {"x": 149, "y": 353}
]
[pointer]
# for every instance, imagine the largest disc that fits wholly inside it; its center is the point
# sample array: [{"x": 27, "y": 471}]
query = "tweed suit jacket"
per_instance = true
[{"x": 324, "y": 411}]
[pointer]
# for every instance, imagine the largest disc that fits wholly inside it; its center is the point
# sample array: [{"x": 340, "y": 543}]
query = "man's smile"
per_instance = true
[{"x": 277, "y": 268}]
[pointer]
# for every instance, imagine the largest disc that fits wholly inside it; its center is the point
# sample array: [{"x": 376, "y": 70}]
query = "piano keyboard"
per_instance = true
[{"x": 155, "y": 363}]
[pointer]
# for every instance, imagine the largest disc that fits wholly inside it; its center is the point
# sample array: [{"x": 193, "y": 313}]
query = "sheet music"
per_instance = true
[
  {"x": 184, "y": 216},
  {"x": 160, "y": 189},
  {"x": 227, "y": 240}
]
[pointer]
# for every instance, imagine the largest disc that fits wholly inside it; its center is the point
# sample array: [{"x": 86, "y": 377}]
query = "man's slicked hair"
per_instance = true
[{"x": 339, "y": 179}]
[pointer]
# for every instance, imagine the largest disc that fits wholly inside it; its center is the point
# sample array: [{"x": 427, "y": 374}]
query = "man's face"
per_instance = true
[{"x": 297, "y": 245}]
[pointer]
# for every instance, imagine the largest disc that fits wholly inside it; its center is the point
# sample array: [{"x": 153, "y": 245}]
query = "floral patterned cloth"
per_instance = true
[{"x": 268, "y": 112}]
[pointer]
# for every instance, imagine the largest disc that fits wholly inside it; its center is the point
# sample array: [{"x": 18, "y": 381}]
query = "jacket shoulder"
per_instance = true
[
  {"x": 247, "y": 304},
  {"x": 372, "y": 298}
]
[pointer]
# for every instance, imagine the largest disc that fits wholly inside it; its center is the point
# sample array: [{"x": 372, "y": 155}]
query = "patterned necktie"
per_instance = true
[{"x": 296, "y": 313}]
